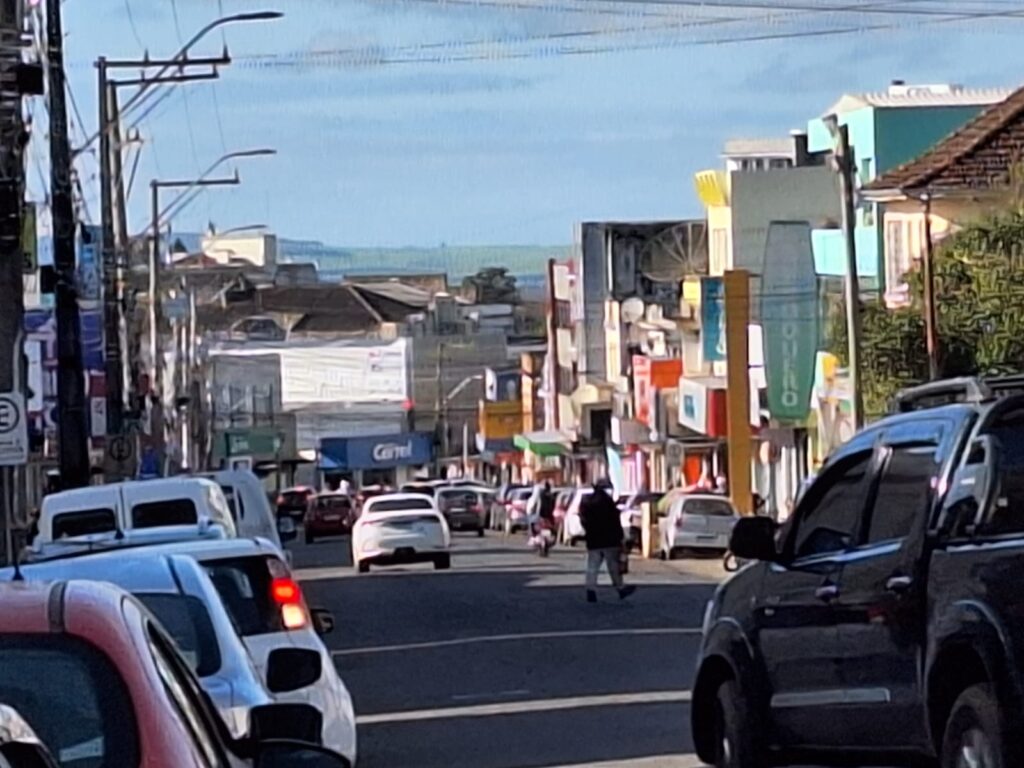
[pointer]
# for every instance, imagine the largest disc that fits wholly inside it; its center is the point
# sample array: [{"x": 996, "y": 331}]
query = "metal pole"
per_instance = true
[
  {"x": 931, "y": 325},
  {"x": 74, "y": 446},
  {"x": 439, "y": 426},
  {"x": 111, "y": 315},
  {"x": 154, "y": 289},
  {"x": 122, "y": 250},
  {"x": 853, "y": 318},
  {"x": 553, "y": 364}
]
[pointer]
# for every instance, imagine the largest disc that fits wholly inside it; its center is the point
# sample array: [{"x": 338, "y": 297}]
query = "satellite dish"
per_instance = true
[{"x": 632, "y": 309}]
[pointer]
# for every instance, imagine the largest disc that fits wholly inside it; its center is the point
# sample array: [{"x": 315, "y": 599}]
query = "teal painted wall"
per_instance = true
[
  {"x": 881, "y": 139},
  {"x": 903, "y": 134}
]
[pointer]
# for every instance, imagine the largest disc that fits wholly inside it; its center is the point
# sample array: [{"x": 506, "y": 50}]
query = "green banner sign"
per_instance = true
[{"x": 789, "y": 320}]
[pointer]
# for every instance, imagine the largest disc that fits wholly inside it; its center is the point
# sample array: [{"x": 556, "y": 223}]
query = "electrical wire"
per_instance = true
[{"x": 131, "y": 22}]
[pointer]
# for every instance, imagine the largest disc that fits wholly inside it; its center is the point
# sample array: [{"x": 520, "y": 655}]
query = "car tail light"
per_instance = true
[{"x": 288, "y": 595}]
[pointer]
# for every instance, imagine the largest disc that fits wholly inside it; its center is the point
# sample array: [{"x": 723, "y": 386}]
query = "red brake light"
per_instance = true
[{"x": 285, "y": 591}]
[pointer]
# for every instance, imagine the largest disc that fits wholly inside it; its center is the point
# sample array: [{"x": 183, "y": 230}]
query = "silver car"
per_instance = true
[
  {"x": 697, "y": 522},
  {"x": 179, "y": 592}
]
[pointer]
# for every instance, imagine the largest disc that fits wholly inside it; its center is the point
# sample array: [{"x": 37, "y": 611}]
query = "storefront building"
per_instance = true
[{"x": 378, "y": 460}]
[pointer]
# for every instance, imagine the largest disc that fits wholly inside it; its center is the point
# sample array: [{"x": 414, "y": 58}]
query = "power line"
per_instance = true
[{"x": 131, "y": 22}]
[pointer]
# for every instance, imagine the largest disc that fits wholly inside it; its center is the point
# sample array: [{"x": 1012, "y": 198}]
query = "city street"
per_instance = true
[{"x": 500, "y": 663}]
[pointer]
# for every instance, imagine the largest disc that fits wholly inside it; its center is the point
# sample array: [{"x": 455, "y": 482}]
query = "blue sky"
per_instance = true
[{"x": 504, "y": 150}]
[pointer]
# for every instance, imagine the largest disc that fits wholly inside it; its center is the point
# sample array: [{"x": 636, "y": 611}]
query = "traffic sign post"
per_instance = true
[
  {"x": 13, "y": 430},
  {"x": 120, "y": 457}
]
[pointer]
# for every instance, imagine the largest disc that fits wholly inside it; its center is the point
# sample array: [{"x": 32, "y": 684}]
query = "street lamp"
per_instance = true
[{"x": 190, "y": 188}]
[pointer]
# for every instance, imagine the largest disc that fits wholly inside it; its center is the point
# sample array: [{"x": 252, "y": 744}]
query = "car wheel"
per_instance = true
[
  {"x": 974, "y": 732},
  {"x": 480, "y": 533},
  {"x": 735, "y": 745},
  {"x": 363, "y": 566},
  {"x": 442, "y": 562}
]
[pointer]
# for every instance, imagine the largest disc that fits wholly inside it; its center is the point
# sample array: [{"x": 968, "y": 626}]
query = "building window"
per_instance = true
[
  {"x": 904, "y": 246},
  {"x": 865, "y": 170}
]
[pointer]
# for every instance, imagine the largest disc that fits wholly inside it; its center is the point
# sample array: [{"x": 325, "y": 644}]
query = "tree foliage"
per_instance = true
[{"x": 979, "y": 289}]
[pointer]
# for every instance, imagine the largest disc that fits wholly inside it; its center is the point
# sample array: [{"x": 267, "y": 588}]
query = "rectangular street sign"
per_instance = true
[{"x": 13, "y": 430}]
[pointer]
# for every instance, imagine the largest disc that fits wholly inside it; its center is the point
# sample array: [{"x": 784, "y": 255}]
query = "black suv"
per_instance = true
[{"x": 883, "y": 623}]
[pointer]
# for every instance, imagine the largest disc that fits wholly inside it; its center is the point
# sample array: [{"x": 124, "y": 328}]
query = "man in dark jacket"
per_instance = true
[{"x": 603, "y": 531}]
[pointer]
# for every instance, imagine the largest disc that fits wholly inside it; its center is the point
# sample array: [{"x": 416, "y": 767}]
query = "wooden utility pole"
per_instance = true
[
  {"x": 931, "y": 330},
  {"x": 845, "y": 162},
  {"x": 73, "y": 414},
  {"x": 737, "y": 340}
]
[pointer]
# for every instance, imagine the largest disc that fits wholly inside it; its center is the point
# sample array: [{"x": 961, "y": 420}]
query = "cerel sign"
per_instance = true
[{"x": 789, "y": 320}]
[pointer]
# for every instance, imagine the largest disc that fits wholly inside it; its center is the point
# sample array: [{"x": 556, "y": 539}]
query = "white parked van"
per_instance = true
[
  {"x": 148, "y": 510},
  {"x": 250, "y": 507}
]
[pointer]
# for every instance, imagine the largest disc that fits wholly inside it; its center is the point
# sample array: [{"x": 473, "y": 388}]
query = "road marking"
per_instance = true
[
  {"x": 499, "y": 695},
  {"x": 527, "y": 707},
  {"x": 684, "y": 631},
  {"x": 660, "y": 761}
]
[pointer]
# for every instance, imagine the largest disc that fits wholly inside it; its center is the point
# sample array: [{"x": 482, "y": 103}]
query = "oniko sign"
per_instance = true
[{"x": 789, "y": 320}]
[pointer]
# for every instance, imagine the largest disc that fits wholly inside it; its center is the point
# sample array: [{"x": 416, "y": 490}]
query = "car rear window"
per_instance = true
[
  {"x": 188, "y": 622},
  {"x": 244, "y": 586},
  {"x": 710, "y": 507},
  {"x": 398, "y": 505},
  {"x": 457, "y": 499},
  {"x": 154, "y": 514},
  {"x": 334, "y": 502},
  {"x": 84, "y": 522},
  {"x": 293, "y": 498},
  {"x": 409, "y": 520},
  {"x": 425, "y": 490},
  {"x": 73, "y": 698}
]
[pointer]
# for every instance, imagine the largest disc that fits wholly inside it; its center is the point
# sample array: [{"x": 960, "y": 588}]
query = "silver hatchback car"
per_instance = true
[{"x": 697, "y": 521}]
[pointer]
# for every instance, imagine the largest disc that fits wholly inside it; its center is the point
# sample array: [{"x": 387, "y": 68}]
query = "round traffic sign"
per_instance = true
[
  {"x": 120, "y": 448},
  {"x": 10, "y": 414}
]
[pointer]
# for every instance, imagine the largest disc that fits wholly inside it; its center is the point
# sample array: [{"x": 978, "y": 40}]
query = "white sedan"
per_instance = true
[
  {"x": 401, "y": 528},
  {"x": 697, "y": 521}
]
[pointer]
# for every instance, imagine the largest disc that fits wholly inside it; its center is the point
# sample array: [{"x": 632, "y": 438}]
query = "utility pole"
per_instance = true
[
  {"x": 111, "y": 282},
  {"x": 737, "y": 346},
  {"x": 440, "y": 421},
  {"x": 12, "y": 183},
  {"x": 931, "y": 325},
  {"x": 845, "y": 162},
  {"x": 72, "y": 426}
]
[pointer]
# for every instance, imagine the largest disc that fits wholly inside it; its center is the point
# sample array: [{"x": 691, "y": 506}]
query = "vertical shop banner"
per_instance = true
[
  {"x": 89, "y": 274},
  {"x": 712, "y": 318},
  {"x": 789, "y": 319}
]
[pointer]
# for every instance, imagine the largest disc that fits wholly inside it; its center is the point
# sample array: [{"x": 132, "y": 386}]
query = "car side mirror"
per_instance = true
[
  {"x": 286, "y": 529},
  {"x": 323, "y": 620},
  {"x": 296, "y": 754},
  {"x": 290, "y": 669},
  {"x": 753, "y": 538}
]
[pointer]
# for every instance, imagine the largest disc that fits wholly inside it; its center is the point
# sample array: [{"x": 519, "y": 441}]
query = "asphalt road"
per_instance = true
[{"x": 500, "y": 663}]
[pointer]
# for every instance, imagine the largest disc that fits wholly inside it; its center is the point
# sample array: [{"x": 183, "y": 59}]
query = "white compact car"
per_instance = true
[
  {"x": 281, "y": 634},
  {"x": 697, "y": 521},
  {"x": 401, "y": 528},
  {"x": 572, "y": 525}
]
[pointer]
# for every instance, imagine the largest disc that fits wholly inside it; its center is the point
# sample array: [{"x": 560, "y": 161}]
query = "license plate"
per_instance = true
[
  {"x": 332, "y": 518},
  {"x": 706, "y": 537}
]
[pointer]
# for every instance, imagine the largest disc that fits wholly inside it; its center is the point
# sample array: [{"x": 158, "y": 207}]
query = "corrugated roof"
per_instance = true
[
  {"x": 920, "y": 97},
  {"x": 977, "y": 156}
]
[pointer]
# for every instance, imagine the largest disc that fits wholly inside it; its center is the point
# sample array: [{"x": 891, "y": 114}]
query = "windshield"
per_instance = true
[
  {"x": 72, "y": 697},
  {"x": 187, "y": 621}
]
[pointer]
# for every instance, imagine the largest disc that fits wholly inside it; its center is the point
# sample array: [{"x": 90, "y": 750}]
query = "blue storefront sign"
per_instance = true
[
  {"x": 379, "y": 452},
  {"x": 712, "y": 318}
]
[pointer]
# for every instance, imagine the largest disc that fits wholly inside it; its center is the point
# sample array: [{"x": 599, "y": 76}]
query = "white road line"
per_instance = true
[
  {"x": 659, "y": 761},
  {"x": 526, "y": 707},
  {"x": 683, "y": 631}
]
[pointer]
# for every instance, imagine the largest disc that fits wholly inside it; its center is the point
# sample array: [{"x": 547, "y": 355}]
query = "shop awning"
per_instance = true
[{"x": 544, "y": 443}]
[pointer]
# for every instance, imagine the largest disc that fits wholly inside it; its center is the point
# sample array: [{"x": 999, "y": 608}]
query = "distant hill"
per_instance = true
[{"x": 456, "y": 261}]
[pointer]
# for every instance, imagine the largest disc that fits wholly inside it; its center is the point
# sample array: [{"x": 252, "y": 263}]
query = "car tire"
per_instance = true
[
  {"x": 362, "y": 566},
  {"x": 735, "y": 744},
  {"x": 480, "y": 533},
  {"x": 975, "y": 730},
  {"x": 442, "y": 562}
]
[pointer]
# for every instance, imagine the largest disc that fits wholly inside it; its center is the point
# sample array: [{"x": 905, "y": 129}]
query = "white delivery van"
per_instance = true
[
  {"x": 142, "y": 511},
  {"x": 250, "y": 507}
]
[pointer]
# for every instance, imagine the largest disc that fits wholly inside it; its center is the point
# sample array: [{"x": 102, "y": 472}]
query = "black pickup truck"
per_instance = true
[{"x": 883, "y": 623}]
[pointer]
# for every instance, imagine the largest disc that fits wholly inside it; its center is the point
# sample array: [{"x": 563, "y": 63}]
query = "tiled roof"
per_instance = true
[
  {"x": 924, "y": 96},
  {"x": 977, "y": 156}
]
